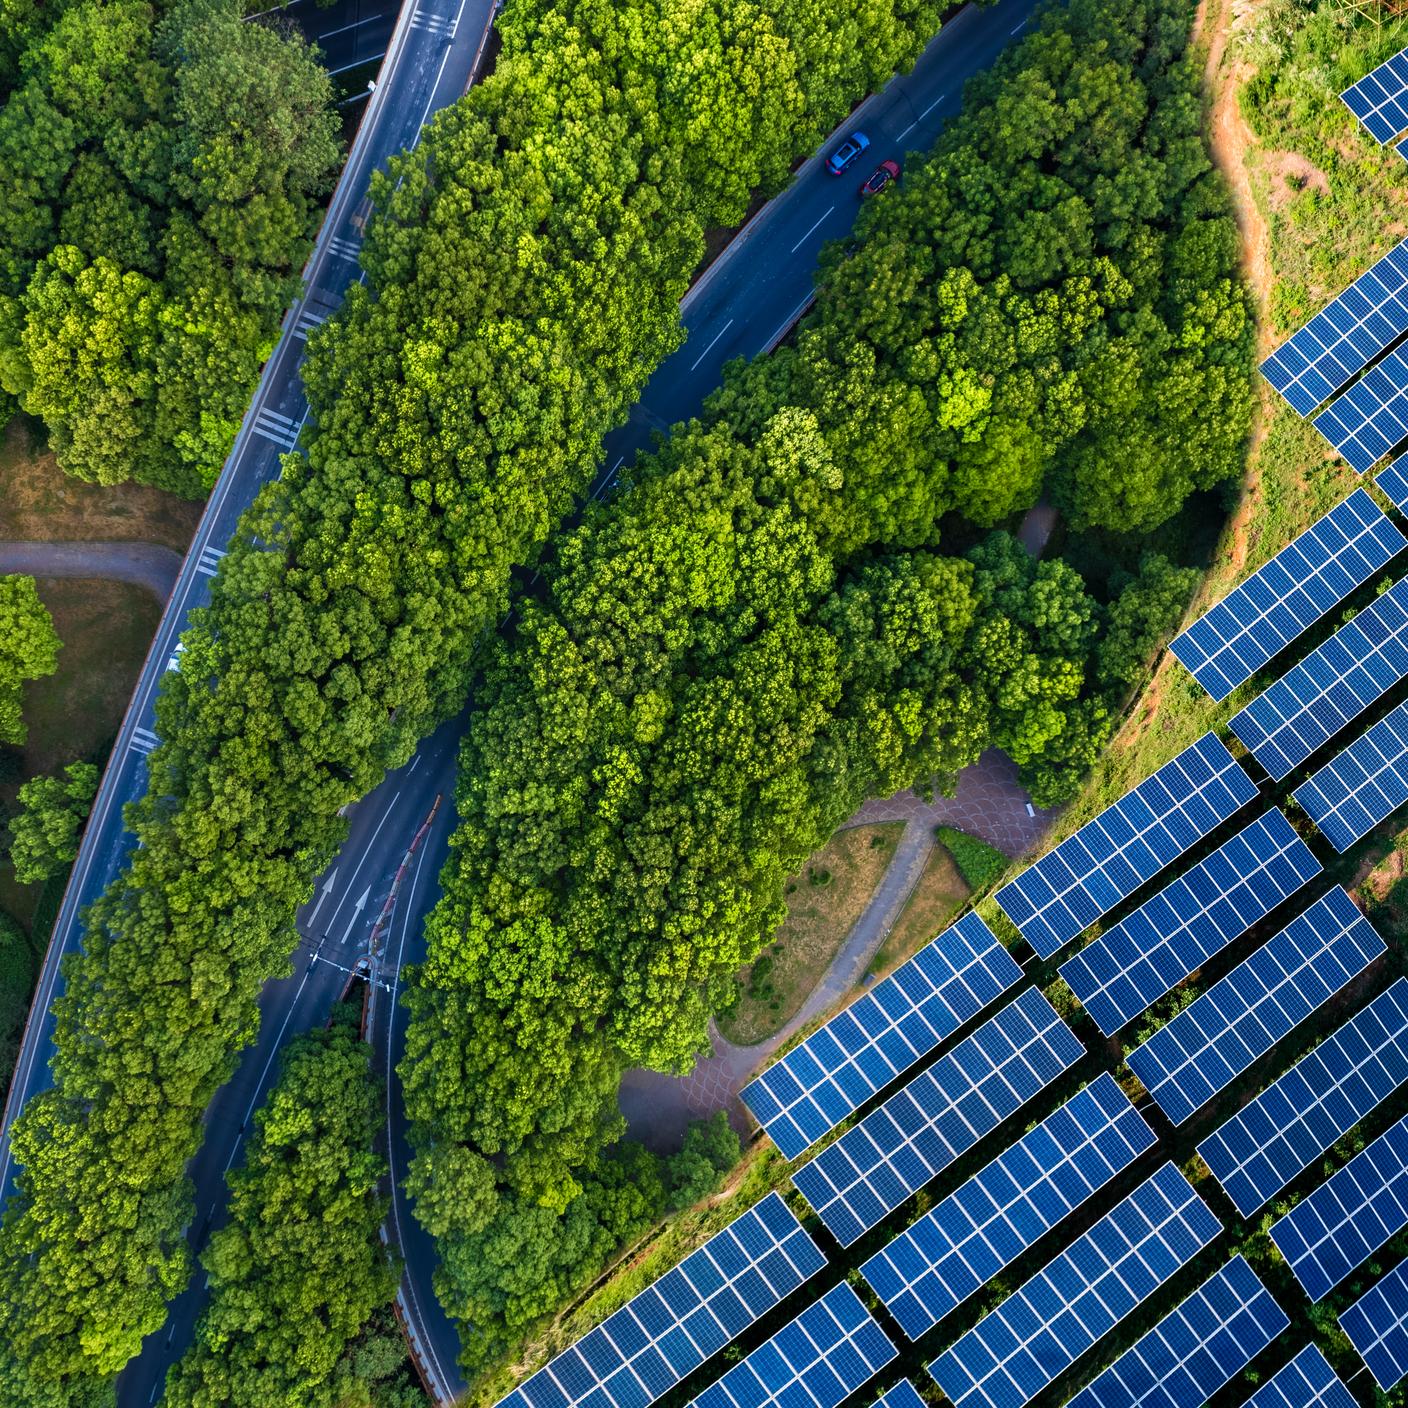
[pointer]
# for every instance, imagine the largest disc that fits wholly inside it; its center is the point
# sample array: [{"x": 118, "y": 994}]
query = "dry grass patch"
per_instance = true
[
  {"x": 824, "y": 900},
  {"x": 40, "y": 503},
  {"x": 935, "y": 901}
]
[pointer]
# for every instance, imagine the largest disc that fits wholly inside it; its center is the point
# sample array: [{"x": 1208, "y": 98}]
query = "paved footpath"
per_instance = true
[
  {"x": 145, "y": 564},
  {"x": 989, "y": 802}
]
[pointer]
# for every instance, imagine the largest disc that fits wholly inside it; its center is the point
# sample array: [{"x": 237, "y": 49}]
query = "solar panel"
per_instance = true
[
  {"x": 1344, "y": 337},
  {"x": 1040, "y": 1330},
  {"x": 1238, "y": 1020},
  {"x": 1227, "y": 645},
  {"x": 1321, "y": 1098},
  {"x": 1306, "y": 1382},
  {"x": 1175, "y": 932},
  {"x": 903, "y": 1395},
  {"x": 1377, "y": 1326},
  {"x": 1127, "y": 844},
  {"x": 817, "y": 1360},
  {"x": 1378, "y": 99},
  {"x": 1195, "y": 1349},
  {"x": 940, "y": 1114},
  {"x": 1394, "y": 482},
  {"x": 1339, "y": 1226},
  {"x": 689, "y": 1314},
  {"x": 1372, "y": 416},
  {"x": 1334, "y": 684},
  {"x": 1361, "y": 786},
  {"x": 880, "y": 1035},
  {"x": 982, "y": 1227}
]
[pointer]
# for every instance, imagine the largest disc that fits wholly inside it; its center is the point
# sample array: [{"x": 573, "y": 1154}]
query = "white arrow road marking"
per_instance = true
[
  {"x": 356, "y": 914},
  {"x": 327, "y": 890}
]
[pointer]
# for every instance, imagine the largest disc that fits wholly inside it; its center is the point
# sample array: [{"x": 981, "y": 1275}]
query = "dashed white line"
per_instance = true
[
  {"x": 710, "y": 347},
  {"x": 809, "y": 233}
]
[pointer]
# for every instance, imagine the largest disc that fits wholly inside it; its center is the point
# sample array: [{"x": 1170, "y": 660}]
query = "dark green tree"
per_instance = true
[{"x": 44, "y": 835}]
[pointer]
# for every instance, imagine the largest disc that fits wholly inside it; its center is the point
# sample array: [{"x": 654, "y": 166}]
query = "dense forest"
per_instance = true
[
  {"x": 766, "y": 627},
  {"x": 164, "y": 174},
  {"x": 524, "y": 271}
]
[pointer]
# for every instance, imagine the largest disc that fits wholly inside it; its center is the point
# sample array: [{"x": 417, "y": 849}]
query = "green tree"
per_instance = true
[
  {"x": 29, "y": 649},
  {"x": 44, "y": 835},
  {"x": 1149, "y": 606}
]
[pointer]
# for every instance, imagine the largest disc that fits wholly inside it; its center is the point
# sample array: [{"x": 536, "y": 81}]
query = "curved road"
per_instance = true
[
  {"x": 750, "y": 297},
  {"x": 143, "y": 564}
]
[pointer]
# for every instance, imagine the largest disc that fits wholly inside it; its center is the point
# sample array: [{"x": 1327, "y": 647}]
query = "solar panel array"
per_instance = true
[
  {"x": 1195, "y": 1349},
  {"x": 1175, "y": 932},
  {"x": 818, "y": 1360},
  {"x": 1040, "y": 1330},
  {"x": 1228, "y": 644},
  {"x": 1380, "y": 99},
  {"x": 1335, "y": 683},
  {"x": 940, "y": 1114},
  {"x": 1347, "y": 1219},
  {"x": 1372, "y": 416},
  {"x": 1306, "y": 1382},
  {"x": 1110, "y": 857},
  {"x": 1360, "y": 787},
  {"x": 880, "y": 1035},
  {"x": 1344, "y": 337},
  {"x": 902, "y": 1395},
  {"x": 1377, "y": 1326},
  {"x": 1238, "y": 1020},
  {"x": 1323, "y": 1096},
  {"x": 1000, "y": 1212},
  {"x": 689, "y": 1314},
  {"x": 1394, "y": 482}
]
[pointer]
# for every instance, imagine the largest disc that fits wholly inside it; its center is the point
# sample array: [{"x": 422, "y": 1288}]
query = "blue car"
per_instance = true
[{"x": 848, "y": 153}]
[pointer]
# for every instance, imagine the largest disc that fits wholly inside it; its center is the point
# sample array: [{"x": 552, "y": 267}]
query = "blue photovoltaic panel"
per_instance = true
[
  {"x": 1126, "y": 845},
  {"x": 1361, "y": 786},
  {"x": 1339, "y": 1226},
  {"x": 903, "y": 1395},
  {"x": 1306, "y": 1382},
  {"x": 819, "y": 1359},
  {"x": 1378, "y": 99},
  {"x": 1042, "y": 1329},
  {"x": 1341, "y": 340},
  {"x": 1377, "y": 1326},
  {"x": 1237, "y": 1021},
  {"x": 1227, "y": 645},
  {"x": 1320, "y": 1099},
  {"x": 880, "y": 1035},
  {"x": 1334, "y": 684},
  {"x": 1394, "y": 482},
  {"x": 1173, "y": 934},
  {"x": 896, "y": 1149},
  {"x": 989, "y": 1221},
  {"x": 690, "y": 1313},
  {"x": 1372, "y": 416},
  {"x": 1195, "y": 1349}
]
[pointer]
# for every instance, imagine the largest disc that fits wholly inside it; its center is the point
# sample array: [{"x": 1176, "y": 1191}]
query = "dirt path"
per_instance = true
[{"x": 145, "y": 564}]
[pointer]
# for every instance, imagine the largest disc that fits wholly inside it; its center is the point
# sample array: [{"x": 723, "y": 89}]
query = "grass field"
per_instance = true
[{"x": 824, "y": 900}]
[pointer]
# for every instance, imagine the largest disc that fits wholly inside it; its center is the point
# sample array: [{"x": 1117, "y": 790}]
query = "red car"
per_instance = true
[{"x": 886, "y": 172}]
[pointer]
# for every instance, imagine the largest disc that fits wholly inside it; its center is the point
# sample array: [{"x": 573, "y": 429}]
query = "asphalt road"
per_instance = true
[
  {"x": 349, "y": 32},
  {"x": 748, "y": 300}
]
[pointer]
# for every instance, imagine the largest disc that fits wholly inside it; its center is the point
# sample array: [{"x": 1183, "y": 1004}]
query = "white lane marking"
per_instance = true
[
  {"x": 788, "y": 323},
  {"x": 809, "y": 233},
  {"x": 435, "y": 87},
  {"x": 937, "y": 101},
  {"x": 710, "y": 347},
  {"x": 366, "y": 851},
  {"x": 356, "y": 24},
  {"x": 1020, "y": 27}
]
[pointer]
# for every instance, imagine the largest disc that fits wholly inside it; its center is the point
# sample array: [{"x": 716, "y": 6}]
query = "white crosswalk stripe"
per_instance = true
[
  {"x": 345, "y": 249},
  {"x": 307, "y": 321},
  {"x": 435, "y": 24},
  {"x": 209, "y": 560},
  {"x": 278, "y": 428},
  {"x": 144, "y": 740}
]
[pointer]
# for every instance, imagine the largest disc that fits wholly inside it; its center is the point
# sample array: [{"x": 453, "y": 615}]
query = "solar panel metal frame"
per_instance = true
[
  {"x": 941, "y": 1114},
  {"x": 1172, "y": 934},
  {"x": 1362, "y": 785},
  {"x": 1334, "y": 1230},
  {"x": 1330, "y": 688},
  {"x": 1320, "y": 1099},
  {"x": 1379, "y": 100},
  {"x": 1238, "y": 1020},
  {"x": 1042, "y": 1328},
  {"x": 1200, "y": 1345},
  {"x": 936, "y": 1263},
  {"x": 1344, "y": 337},
  {"x": 1306, "y": 1382},
  {"x": 819, "y": 1359},
  {"x": 681, "y": 1320},
  {"x": 1284, "y": 597},
  {"x": 1377, "y": 1326},
  {"x": 880, "y": 1035},
  {"x": 1371, "y": 418},
  {"x": 1124, "y": 847}
]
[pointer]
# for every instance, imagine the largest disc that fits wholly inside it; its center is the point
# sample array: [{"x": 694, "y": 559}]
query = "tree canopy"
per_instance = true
[
  {"x": 44, "y": 835},
  {"x": 29, "y": 649}
]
